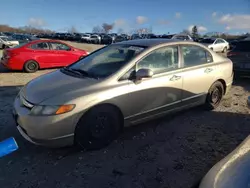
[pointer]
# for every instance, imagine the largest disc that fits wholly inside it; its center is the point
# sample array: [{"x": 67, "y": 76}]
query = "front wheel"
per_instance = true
[
  {"x": 214, "y": 96},
  {"x": 98, "y": 128}
]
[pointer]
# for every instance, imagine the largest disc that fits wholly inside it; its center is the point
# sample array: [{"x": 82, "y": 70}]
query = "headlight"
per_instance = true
[{"x": 52, "y": 110}]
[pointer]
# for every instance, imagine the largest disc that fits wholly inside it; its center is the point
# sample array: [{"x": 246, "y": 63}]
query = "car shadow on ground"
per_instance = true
[
  {"x": 174, "y": 151},
  {"x": 243, "y": 82},
  {"x": 5, "y": 70}
]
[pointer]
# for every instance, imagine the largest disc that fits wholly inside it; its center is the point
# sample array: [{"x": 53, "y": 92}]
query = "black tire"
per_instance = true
[
  {"x": 3, "y": 47},
  {"x": 31, "y": 66},
  {"x": 98, "y": 128},
  {"x": 214, "y": 96}
]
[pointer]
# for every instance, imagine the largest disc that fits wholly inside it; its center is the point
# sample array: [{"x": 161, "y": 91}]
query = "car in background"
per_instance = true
[
  {"x": 95, "y": 39},
  {"x": 240, "y": 56},
  {"x": 24, "y": 38},
  {"x": 85, "y": 38},
  {"x": 135, "y": 36},
  {"x": 89, "y": 102},
  {"x": 9, "y": 34},
  {"x": 182, "y": 37},
  {"x": 120, "y": 38},
  {"x": 7, "y": 42},
  {"x": 216, "y": 44},
  {"x": 41, "y": 54},
  {"x": 106, "y": 39}
]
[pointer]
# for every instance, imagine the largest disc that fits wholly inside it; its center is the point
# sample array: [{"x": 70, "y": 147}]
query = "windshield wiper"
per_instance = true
[
  {"x": 72, "y": 71},
  {"x": 85, "y": 73}
]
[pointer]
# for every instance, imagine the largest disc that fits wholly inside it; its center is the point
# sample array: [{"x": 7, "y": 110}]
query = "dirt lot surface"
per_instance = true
[{"x": 172, "y": 152}]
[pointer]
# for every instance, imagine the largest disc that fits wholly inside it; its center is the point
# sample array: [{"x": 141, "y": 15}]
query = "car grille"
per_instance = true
[{"x": 26, "y": 103}]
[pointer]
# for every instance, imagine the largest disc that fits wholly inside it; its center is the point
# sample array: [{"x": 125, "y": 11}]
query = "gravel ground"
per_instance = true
[{"x": 171, "y": 152}]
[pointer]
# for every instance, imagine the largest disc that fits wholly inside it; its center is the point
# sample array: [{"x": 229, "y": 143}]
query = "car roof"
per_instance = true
[
  {"x": 46, "y": 40},
  {"x": 149, "y": 42}
]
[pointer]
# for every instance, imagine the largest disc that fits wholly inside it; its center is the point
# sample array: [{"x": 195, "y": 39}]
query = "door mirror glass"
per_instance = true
[{"x": 144, "y": 73}]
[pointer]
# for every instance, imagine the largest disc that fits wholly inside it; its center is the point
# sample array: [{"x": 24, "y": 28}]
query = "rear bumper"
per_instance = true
[
  {"x": 229, "y": 83},
  {"x": 5, "y": 63},
  {"x": 11, "y": 64}
]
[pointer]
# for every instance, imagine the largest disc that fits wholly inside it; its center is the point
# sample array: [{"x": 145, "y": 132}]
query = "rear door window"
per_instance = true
[
  {"x": 40, "y": 46},
  {"x": 195, "y": 55},
  {"x": 59, "y": 46}
]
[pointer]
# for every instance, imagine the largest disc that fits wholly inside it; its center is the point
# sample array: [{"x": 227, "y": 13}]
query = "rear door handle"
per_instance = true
[
  {"x": 208, "y": 70},
  {"x": 174, "y": 78}
]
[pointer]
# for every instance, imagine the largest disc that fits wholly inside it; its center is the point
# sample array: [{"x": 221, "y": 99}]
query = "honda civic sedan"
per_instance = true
[
  {"x": 89, "y": 102},
  {"x": 40, "y": 54}
]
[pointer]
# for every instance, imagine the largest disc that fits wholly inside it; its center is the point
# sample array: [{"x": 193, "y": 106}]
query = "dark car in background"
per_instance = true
[
  {"x": 120, "y": 38},
  {"x": 24, "y": 38},
  {"x": 240, "y": 56},
  {"x": 106, "y": 39}
]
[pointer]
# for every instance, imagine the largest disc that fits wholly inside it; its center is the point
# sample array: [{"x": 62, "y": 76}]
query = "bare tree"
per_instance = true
[
  {"x": 107, "y": 27},
  {"x": 25, "y": 29},
  {"x": 72, "y": 29},
  {"x": 97, "y": 29},
  {"x": 145, "y": 30}
]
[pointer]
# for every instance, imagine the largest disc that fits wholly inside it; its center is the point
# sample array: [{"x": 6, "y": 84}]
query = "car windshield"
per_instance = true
[
  {"x": 208, "y": 41},
  {"x": 4, "y": 38},
  {"x": 107, "y": 60}
]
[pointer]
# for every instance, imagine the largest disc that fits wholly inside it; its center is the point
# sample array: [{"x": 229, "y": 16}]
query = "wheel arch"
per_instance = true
[
  {"x": 224, "y": 84},
  {"x": 31, "y": 60},
  {"x": 121, "y": 116}
]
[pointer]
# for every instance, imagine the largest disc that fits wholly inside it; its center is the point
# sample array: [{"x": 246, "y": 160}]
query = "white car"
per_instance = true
[
  {"x": 216, "y": 44},
  {"x": 6, "y": 42},
  {"x": 85, "y": 37}
]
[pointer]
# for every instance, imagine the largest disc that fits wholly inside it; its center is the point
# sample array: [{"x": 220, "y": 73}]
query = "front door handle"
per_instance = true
[
  {"x": 174, "y": 78},
  {"x": 208, "y": 70}
]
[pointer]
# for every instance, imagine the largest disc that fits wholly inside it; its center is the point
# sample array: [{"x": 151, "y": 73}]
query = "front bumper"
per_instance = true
[{"x": 50, "y": 131}]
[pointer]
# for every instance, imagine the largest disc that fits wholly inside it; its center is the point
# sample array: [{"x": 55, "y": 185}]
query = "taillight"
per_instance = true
[
  {"x": 232, "y": 54},
  {"x": 11, "y": 54}
]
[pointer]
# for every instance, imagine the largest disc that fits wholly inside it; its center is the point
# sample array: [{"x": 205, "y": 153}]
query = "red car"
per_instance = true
[{"x": 41, "y": 54}]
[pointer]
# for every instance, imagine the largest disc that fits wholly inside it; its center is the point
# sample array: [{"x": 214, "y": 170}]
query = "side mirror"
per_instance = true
[{"x": 144, "y": 73}]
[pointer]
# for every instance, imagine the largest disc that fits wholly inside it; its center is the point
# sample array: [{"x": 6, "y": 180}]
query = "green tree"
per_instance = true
[{"x": 195, "y": 32}]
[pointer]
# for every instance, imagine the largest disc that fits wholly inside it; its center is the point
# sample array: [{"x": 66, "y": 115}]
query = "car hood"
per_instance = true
[{"x": 53, "y": 84}]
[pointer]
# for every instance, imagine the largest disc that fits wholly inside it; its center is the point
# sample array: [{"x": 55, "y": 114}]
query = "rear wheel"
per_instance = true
[
  {"x": 214, "y": 96},
  {"x": 31, "y": 66},
  {"x": 98, "y": 128}
]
